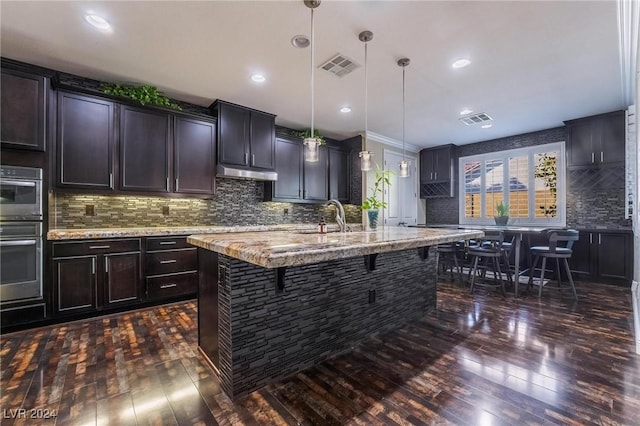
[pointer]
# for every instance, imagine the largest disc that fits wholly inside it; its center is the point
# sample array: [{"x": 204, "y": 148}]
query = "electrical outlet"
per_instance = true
[
  {"x": 89, "y": 210},
  {"x": 286, "y": 211},
  {"x": 372, "y": 296},
  {"x": 165, "y": 210}
]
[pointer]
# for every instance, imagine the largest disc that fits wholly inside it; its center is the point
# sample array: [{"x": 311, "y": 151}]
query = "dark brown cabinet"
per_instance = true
[
  {"x": 601, "y": 256},
  {"x": 85, "y": 142},
  {"x": 96, "y": 274},
  {"x": 246, "y": 137},
  {"x": 339, "y": 175},
  {"x": 437, "y": 172},
  {"x": 144, "y": 150},
  {"x": 596, "y": 141},
  {"x": 24, "y": 105},
  {"x": 171, "y": 267},
  {"x": 298, "y": 181},
  {"x": 194, "y": 156}
]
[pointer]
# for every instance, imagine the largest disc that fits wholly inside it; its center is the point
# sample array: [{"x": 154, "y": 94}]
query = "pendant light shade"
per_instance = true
[
  {"x": 312, "y": 144},
  {"x": 365, "y": 156},
  {"x": 404, "y": 164}
]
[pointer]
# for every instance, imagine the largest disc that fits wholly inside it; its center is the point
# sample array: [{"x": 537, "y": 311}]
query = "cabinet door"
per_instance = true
[
  {"x": 582, "y": 258},
  {"x": 612, "y": 139},
  {"x": 289, "y": 169},
  {"x": 144, "y": 150},
  {"x": 262, "y": 140},
  {"x": 85, "y": 142},
  {"x": 315, "y": 179},
  {"x": 75, "y": 283},
  {"x": 234, "y": 135},
  {"x": 580, "y": 143},
  {"x": 442, "y": 165},
  {"x": 194, "y": 156},
  {"x": 122, "y": 277},
  {"x": 426, "y": 165},
  {"x": 614, "y": 262},
  {"x": 339, "y": 177},
  {"x": 23, "y": 103}
]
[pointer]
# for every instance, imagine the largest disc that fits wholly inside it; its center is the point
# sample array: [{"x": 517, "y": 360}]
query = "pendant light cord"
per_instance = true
[
  {"x": 366, "y": 95},
  {"x": 403, "y": 113},
  {"x": 313, "y": 45}
]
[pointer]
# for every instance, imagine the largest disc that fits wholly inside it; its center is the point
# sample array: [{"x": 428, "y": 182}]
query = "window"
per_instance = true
[{"x": 531, "y": 180}]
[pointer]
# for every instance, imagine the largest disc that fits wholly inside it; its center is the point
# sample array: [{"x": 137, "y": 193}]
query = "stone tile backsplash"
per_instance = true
[{"x": 237, "y": 202}]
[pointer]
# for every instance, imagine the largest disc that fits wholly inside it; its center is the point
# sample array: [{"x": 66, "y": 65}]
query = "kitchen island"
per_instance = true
[{"x": 273, "y": 303}]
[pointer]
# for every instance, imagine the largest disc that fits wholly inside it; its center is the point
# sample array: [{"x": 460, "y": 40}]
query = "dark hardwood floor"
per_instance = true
[{"x": 480, "y": 359}]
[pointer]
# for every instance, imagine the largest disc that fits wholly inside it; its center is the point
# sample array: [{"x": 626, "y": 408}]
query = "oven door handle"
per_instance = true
[
  {"x": 18, "y": 243},
  {"x": 17, "y": 183}
]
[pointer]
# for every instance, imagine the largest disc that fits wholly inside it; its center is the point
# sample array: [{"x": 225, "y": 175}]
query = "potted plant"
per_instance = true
[
  {"x": 502, "y": 209},
  {"x": 372, "y": 204}
]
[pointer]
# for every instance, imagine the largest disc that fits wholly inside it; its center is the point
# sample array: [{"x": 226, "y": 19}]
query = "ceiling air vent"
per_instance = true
[
  {"x": 470, "y": 120},
  {"x": 339, "y": 65}
]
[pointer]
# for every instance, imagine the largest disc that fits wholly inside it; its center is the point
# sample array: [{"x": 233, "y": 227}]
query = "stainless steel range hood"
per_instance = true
[{"x": 230, "y": 172}]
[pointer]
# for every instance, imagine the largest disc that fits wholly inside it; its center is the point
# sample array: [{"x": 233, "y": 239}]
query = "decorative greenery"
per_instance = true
[
  {"x": 307, "y": 134},
  {"x": 382, "y": 178},
  {"x": 502, "y": 209},
  {"x": 547, "y": 170},
  {"x": 144, "y": 94}
]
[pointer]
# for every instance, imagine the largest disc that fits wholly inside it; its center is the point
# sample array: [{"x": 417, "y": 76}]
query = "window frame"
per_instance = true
[{"x": 561, "y": 183}]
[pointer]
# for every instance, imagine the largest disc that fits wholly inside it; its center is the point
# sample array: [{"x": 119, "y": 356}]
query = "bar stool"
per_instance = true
[
  {"x": 557, "y": 252},
  {"x": 490, "y": 251},
  {"x": 447, "y": 259}
]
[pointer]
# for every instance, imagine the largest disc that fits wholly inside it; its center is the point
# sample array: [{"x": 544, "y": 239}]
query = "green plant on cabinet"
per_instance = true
[
  {"x": 144, "y": 94},
  {"x": 307, "y": 134}
]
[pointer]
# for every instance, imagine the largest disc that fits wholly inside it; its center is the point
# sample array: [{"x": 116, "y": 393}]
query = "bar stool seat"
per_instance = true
[
  {"x": 554, "y": 251},
  {"x": 491, "y": 252}
]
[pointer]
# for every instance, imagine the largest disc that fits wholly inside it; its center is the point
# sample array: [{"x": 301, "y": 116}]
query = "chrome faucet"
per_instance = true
[{"x": 340, "y": 218}]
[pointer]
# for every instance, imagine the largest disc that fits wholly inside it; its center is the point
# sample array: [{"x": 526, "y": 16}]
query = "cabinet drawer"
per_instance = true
[
  {"x": 95, "y": 247},
  {"x": 167, "y": 262},
  {"x": 167, "y": 243},
  {"x": 172, "y": 285}
]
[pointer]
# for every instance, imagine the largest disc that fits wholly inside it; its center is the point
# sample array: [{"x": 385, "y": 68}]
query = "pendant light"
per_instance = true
[
  {"x": 404, "y": 164},
  {"x": 365, "y": 156},
  {"x": 312, "y": 144}
]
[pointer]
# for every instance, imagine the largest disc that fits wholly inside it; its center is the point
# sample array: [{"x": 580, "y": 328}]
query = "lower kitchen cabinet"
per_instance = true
[
  {"x": 171, "y": 267},
  {"x": 97, "y": 274},
  {"x": 601, "y": 256}
]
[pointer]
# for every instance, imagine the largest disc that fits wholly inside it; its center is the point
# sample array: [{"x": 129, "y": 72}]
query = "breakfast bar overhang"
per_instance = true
[{"x": 273, "y": 303}]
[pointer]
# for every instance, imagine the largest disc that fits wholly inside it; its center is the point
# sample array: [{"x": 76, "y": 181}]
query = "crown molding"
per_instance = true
[{"x": 391, "y": 142}]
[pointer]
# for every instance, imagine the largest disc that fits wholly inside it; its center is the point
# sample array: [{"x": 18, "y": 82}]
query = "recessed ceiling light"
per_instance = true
[
  {"x": 300, "y": 41},
  {"x": 345, "y": 109},
  {"x": 460, "y": 63},
  {"x": 258, "y": 78},
  {"x": 97, "y": 21},
  {"x": 466, "y": 111},
  {"x": 486, "y": 126}
]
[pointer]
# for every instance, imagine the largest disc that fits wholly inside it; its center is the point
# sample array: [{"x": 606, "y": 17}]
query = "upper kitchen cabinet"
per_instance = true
[
  {"x": 339, "y": 176},
  {"x": 436, "y": 171},
  {"x": 85, "y": 142},
  {"x": 194, "y": 156},
  {"x": 596, "y": 141},
  {"x": 144, "y": 150},
  {"x": 246, "y": 137},
  {"x": 24, "y": 104}
]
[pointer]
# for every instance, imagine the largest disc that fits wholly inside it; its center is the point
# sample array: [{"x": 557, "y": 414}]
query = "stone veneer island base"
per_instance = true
[{"x": 273, "y": 303}]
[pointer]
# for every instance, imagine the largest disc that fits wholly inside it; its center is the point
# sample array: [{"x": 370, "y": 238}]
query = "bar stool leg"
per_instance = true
[
  {"x": 496, "y": 263},
  {"x": 544, "y": 262},
  {"x": 559, "y": 272},
  {"x": 573, "y": 287},
  {"x": 532, "y": 271},
  {"x": 472, "y": 273}
]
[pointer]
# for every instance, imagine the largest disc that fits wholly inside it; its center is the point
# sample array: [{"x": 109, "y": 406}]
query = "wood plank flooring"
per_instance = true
[{"x": 480, "y": 359}]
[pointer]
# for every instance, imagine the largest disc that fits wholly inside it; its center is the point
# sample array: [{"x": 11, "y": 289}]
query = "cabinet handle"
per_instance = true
[
  {"x": 93, "y": 266},
  {"x": 106, "y": 265},
  {"x": 164, "y": 262},
  {"x": 111, "y": 180},
  {"x": 590, "y": 238},
  {"x": 253, "y": 159},
  {"x": 98, "y": 247},
  {"x": 435, "y": 175},
  {"x": 169, "y": 285},
  {"x": 177, "y": 181},
  {"x": 599, "y": 239},
  {"x": 431, "y": 175},
  {"x": 167, "y": 243},
  {"x": 246, "y": 158},
  {"x": 331, "y": 195},
  {"x": 167, "y": 184},
  {"x": 602, "y": 156},
  {"x": 304, "y": 193},
  {"x": 593, "y": 158},
  {"x": 298, "y": 192}
]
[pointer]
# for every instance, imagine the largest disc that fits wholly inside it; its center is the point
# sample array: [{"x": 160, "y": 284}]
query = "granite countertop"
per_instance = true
[
  {"x": 277, "y": 248},
  {"x": 97, "y": 233}
]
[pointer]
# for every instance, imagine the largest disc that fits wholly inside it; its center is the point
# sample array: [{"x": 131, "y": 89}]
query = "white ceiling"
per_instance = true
[{"x": 534, "y": 64}]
